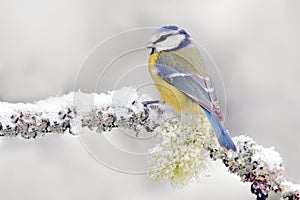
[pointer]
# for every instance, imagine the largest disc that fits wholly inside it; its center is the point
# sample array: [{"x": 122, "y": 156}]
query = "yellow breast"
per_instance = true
[{"x": 170, "y": 94}]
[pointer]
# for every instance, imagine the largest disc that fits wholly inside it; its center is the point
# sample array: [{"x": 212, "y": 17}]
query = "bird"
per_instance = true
[{"x": 178, "y": 72}]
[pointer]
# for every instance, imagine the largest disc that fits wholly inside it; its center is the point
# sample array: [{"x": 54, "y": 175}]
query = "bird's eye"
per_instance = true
[{"x": 161, "y": 38}]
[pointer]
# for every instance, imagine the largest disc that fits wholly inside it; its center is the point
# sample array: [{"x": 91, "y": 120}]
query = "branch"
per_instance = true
[
  {"x": 99, "y": 112},
  {"x": 187, "y": 146}
]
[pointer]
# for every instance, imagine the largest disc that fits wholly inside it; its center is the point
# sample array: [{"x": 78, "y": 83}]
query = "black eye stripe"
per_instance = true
[{"x": 161, "y": 38}]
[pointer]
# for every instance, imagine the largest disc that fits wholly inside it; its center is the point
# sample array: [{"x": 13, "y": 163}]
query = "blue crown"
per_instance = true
[
  {"x": 174, "y": 28},
  {"x": 171, "y": 27}
]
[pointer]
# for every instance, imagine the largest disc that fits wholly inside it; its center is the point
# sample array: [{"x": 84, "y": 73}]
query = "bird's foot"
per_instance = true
[{"x": 146, "y": 103}]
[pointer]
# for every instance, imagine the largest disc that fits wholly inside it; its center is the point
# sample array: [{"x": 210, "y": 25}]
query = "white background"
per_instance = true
[{"x": 42, "y": 44}]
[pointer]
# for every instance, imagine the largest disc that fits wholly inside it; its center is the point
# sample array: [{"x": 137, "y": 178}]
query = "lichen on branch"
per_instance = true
[{"x": 187, "y": 146}]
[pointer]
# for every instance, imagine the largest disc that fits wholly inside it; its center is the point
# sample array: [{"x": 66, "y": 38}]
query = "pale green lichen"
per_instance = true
[
  {"x": 182, "y": 156},
  {"x": 187, "y": 142},
  {"x": 188, "y": 145}
]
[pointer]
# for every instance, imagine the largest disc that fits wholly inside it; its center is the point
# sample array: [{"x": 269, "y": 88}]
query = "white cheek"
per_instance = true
[{"x": 170, "y": 43}]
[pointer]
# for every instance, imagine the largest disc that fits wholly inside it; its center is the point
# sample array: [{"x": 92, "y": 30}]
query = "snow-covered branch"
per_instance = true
[
  {"x": 101, "y": 112},
  {"x": 187, "y": 146}
]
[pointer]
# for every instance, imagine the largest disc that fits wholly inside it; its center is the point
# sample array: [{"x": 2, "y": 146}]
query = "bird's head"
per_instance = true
[{"x": 168, "y": 38}]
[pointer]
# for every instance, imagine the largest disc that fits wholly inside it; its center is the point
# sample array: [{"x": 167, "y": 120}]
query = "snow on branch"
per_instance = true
[{"x": 187, "y": 146}]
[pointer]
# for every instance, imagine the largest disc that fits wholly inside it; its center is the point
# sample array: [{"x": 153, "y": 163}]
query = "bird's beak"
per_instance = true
[{"x": 149, "y": 45}]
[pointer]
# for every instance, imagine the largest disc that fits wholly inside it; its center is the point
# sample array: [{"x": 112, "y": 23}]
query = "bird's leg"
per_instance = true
[
  {"x": 146, "y": 109},
  {"x": 146, "y": 103}
]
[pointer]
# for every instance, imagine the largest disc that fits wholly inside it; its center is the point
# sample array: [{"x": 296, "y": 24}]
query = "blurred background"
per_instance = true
[{"x": 255, "y": 44}]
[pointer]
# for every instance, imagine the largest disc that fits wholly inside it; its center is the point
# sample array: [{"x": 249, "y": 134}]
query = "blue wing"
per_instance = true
[
  {"x": 179, "y": 72},
  {"x": 187, "y": 78}
]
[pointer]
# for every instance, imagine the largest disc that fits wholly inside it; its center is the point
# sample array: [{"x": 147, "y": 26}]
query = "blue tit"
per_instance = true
[{"x": 179, "y": 74}]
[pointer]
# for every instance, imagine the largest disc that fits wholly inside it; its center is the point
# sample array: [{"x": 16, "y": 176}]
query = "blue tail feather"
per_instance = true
[{"x": 221, "y": 132}]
